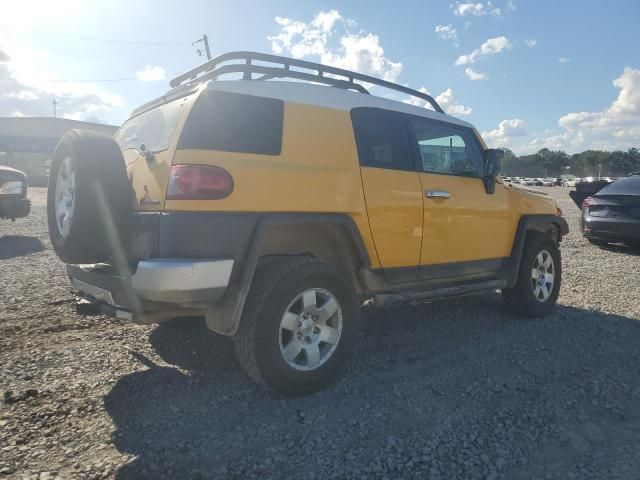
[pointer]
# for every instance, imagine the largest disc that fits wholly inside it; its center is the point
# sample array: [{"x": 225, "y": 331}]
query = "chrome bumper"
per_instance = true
[{"x": 155, "y": 284}]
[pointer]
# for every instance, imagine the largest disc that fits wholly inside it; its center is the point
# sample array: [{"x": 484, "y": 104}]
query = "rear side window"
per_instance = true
[
  {"x": 153, "y": 129},
  {"x": 233, "y": 122},
  {"x": 381, "y": 138}
]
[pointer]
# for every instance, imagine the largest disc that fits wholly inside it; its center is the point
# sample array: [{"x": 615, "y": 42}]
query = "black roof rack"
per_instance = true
[{"x": 244, "y": 62}]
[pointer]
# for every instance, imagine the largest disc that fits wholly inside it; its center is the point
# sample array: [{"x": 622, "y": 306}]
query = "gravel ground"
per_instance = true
[{"x": 456, "y": 389}]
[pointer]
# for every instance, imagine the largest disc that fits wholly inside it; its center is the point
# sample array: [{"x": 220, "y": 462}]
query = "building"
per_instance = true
[{"x": 27, "y": 143}]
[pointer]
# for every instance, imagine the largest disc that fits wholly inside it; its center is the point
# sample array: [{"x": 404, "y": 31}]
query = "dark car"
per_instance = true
[
  {"x": 612, "y": 214},
  {"x": 13, "y": 194}
]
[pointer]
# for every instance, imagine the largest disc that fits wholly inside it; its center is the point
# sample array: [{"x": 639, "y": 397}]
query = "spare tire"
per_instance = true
[{"x": 89, "y": 198}]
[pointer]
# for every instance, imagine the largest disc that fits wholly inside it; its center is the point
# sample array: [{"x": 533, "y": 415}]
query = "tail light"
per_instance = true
[
  {"x": 586, "y": 202},
  {"x": 198, "y": 182}
]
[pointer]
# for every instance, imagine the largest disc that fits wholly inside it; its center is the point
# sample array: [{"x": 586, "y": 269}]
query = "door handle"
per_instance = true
[{"x": 436, "y": 194}]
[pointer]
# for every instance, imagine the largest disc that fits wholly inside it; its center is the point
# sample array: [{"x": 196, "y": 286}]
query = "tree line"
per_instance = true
[{"x": 554, "y": 163}]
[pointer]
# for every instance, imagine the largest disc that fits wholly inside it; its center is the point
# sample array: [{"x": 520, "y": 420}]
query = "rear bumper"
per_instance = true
[
  {"x": 611, "y": 229},
  {"x": 158, "y": 285},
  {"x": 14, "y": 207}
]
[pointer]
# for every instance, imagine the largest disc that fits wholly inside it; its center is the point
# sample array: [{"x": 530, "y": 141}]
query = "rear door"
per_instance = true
[
  {"x": 392, "y": 191},
  {"x": 466, "y": 230}
]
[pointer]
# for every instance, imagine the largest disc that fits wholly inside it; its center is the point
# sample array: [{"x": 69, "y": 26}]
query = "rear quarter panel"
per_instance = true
[{"x": 317, "y": 171}]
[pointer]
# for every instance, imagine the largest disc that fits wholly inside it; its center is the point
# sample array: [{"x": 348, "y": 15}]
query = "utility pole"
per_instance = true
[
  {"x": 207, "y": 52},
  {"x": 54, "y": 108}
]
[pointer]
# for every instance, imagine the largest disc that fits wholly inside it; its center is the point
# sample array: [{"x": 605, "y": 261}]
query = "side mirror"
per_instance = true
[{"x": 492, "y": 160}]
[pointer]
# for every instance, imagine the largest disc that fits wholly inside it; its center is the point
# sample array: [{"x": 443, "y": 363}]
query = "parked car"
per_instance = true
[
  {"x": 612, "y": 214},
  {"x": 274, "y": 208},
  {"x": 571, "y": 183},
  {"x": 529, "y": 182},
  {"x": 13, "y": 194},
  {"x": 548, "y": 182}
]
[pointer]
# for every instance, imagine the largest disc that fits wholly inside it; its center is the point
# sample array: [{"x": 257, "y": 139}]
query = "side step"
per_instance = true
[{"x": 385, "y": 299}]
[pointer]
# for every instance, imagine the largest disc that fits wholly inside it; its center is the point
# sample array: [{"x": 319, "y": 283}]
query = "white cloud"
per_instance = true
[
  {"x": 511, "y": 6},
  {"x": 614, "y": 128},
  {"x": 360, "y": 51},
  {"x": 21, "y": 95},
  {"x": 473, "y": 75},
  {"x": 491, "y": 47},
  {"x": 26, "y": 92},
  {"x": 563, "y": 60},
  {"x": 502, "y": 135},
  {"x": 151, "y": 73},
  {"x": 462, "y": 9},
  {"x": 447, "y": 32},
  {"x": 531, "y": 42},
  {"x": 446, "y": 100},
  {"x": 450, "y": 105}
]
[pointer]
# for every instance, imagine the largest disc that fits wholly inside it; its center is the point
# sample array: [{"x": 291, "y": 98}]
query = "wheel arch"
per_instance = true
[
  {"x": 332, "y": 237},
  {"x": 531, "y": 225}
]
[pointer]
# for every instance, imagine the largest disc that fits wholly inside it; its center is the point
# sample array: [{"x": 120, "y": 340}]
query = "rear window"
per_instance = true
[
  {"x": 624, "y": 186},
  {"x": 153, "y": 129},
  {"x": 233, "y": 122}
]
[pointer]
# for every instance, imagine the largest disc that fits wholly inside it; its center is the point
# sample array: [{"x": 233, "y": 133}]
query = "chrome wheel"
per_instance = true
[
  {"x": 310, "y": 329},
  {"x": 543, "y": 275},
  {"x": 65, "y": 196}
]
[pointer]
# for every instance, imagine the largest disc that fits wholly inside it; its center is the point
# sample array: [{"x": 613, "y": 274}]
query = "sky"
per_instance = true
[{"x": 528, "y": 74}]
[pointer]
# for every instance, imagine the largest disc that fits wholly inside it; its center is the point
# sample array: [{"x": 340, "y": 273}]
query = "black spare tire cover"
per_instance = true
[{"x": 89, "y": 198}]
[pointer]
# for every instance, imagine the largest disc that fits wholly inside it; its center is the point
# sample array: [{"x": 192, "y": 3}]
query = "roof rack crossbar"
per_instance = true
[
  {"x": 270, "y": 72},
  {"x": 213, "y": 69}
]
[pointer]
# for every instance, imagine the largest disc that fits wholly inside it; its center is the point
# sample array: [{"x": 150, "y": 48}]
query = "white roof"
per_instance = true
[{"x": 325, "y": 96}]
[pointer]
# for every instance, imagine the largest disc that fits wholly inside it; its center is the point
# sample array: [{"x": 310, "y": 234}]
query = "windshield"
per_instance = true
[{"x": 153, "y": 129}]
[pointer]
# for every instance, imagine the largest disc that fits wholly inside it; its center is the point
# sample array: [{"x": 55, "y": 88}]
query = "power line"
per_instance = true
[
  {"x": 95, "y": 39},
  {"x": 102, "y": 80},
  {"x": 93, "y": 81}
]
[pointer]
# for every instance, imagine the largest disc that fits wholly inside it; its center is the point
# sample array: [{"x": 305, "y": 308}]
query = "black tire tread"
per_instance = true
[
  {"x": 516, "y": 298},
  {"x": 264, "y": 281},
  {"x": 99, "y": 168},
  {"x": 273, "y": 281}
]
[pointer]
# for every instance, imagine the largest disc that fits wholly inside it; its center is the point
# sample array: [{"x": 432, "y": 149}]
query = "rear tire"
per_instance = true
[
  {"x": 299, "y": 325},
  {"x": 536, "y": 297},
  {"x": 89, "y": 197}
]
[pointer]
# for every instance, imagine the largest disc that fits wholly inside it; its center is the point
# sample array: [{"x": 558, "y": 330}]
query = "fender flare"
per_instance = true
[
  {"x": 224, "y": 316},
  {"x": 528, "y": 223}
]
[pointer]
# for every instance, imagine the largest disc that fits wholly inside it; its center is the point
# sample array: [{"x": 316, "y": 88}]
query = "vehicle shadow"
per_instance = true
[
  {"x": 425, "y": 374},
  {"x": 12, "y": 246},
  {"x": 621, "y": 248}
]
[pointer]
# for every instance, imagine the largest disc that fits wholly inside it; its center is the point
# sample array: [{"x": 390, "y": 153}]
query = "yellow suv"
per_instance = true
[{"x": 276, "y": 207}]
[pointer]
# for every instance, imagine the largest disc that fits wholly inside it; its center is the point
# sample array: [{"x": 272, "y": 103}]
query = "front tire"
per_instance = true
[
  {"x": 539, "y": 278},
  {"x": 299, "y": 325}
]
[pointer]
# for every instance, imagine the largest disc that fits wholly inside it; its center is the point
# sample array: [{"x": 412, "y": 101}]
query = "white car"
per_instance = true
[
  {"x": 547, "y": 182},
  {"x": 571, "y": 183}
]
